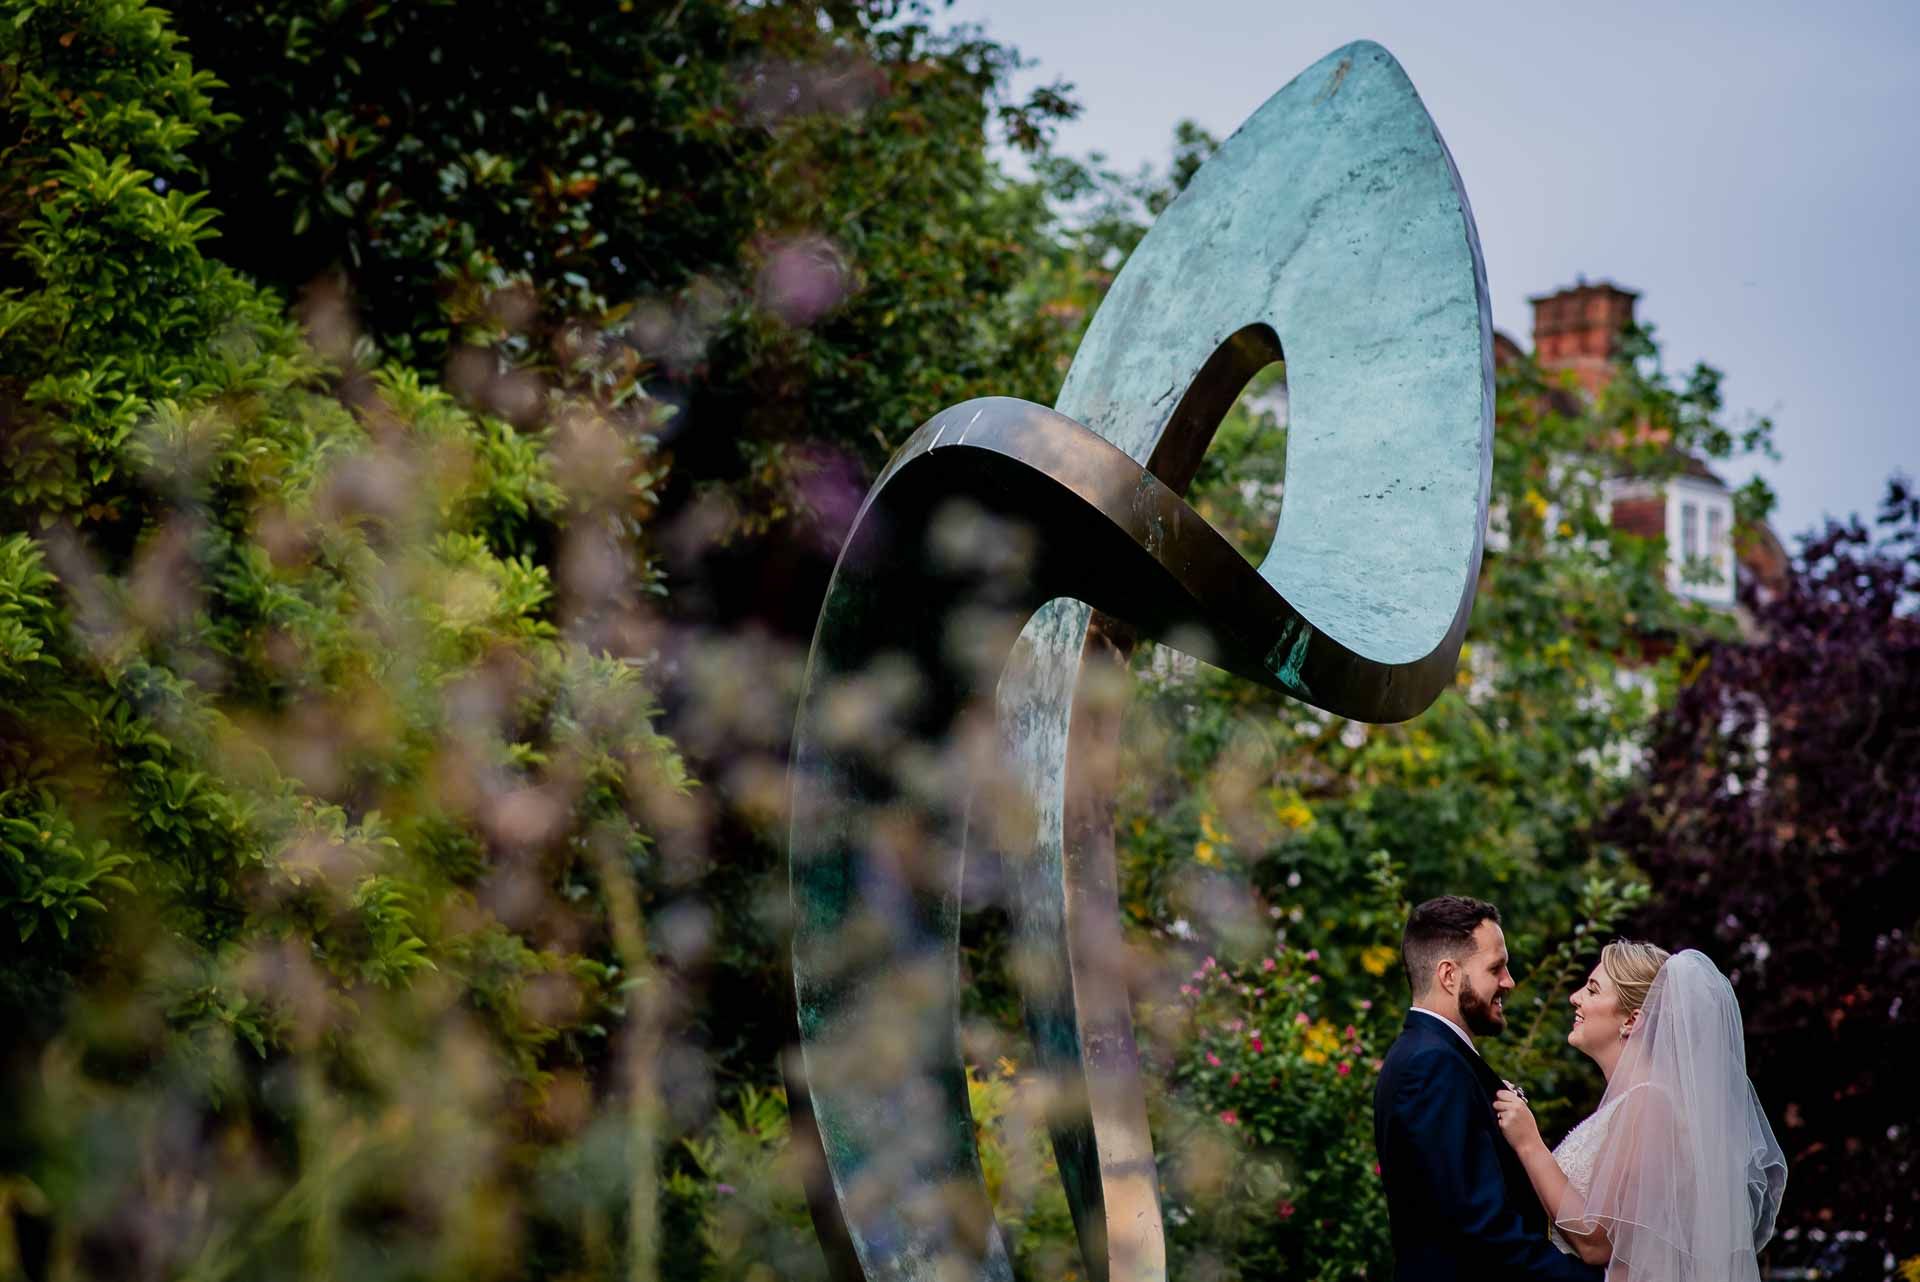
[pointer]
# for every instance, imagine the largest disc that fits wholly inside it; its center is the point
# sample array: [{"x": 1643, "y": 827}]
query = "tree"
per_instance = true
[
  {"x": 783, "y": 219},
  {"x": 1777, "y": 820},
  {"x": 341, "y": 830},
  {"x": 329, "y": 803},
  {"x": 780, "y": 229},
  {"x": 1253, "y": 830},
  {"x": 1249, "y": 824},
  {"x": 336, "y": 819}
]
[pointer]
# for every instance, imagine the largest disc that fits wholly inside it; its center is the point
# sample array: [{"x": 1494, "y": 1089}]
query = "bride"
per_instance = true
[{"x": 1676, "y": 1177}]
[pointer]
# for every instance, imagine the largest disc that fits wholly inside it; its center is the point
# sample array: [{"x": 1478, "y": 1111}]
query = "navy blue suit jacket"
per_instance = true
[{"x": 1460, "y": 1203}]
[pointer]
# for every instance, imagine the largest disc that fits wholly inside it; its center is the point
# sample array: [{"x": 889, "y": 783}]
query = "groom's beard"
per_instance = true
[{"x": 1483, "y": 1016}]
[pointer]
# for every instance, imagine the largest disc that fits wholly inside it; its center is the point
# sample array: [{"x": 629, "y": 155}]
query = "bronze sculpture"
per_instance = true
[{"x": 1331, "y": 228}]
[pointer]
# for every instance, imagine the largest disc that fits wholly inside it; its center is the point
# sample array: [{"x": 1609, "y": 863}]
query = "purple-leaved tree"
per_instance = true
[{"x": 1779, "y": 820}]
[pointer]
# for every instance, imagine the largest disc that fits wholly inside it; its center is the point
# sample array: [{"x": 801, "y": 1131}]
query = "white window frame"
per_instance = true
[{"x": 1712, "y": 575}]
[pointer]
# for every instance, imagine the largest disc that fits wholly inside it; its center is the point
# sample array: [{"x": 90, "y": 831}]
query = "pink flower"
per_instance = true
[
  {"x": 1213, "y": 1061},
  {"x": 1366, "y": 1004},
  {"x": 1234, "y": 1080},
  {"x": 724, "y": 1190},
  {"x": 1236, "y": 1025},
  {"x": 1313, "y": 979},
  {"x": 1313, "y": 954},
  {"x": 1376, "y": 1168},
  {"x": 1351, "y": 1032},
  {"x": 1186, "y": 990},
  {"x": 1302, "y": 1018},
  {"x": 1230, "y": 1117},
  {"x": 1208, "y": 964},
  {"x": 1286, "y": 1210},
  {"x": 1267, "y": 964},
  {"x": 1257, "y": 1044},
  {"x": 1346, "y": 1067}
]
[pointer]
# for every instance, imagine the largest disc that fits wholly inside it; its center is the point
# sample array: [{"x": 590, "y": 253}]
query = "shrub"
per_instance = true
[{"x": 330, "y": 771}]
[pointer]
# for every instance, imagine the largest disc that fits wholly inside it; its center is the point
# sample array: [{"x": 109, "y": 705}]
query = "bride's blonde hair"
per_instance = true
[{"x": 1631, "y": 964}]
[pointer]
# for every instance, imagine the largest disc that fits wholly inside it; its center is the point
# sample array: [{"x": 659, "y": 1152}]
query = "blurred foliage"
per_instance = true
[
  {"x": 321, "y": 777},
  {"x": 1778, "y": 819},
  {"x": 786, "y": 214},
  {"x": 747, "y": 1197},
  {"x": 363, "y": 915}
]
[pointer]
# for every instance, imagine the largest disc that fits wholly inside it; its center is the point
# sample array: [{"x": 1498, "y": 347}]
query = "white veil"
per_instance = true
[{"x": 1688, "y": 1177}]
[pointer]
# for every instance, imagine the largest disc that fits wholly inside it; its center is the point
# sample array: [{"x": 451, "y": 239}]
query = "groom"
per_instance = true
[{"x": 1459, "y": 1201}]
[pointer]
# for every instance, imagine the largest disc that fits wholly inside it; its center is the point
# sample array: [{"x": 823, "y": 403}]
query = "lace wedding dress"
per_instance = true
[{"x": 1576, "y": 1155}]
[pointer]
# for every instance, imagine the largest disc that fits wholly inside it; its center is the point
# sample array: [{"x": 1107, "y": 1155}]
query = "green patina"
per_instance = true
[
  {"x": 1287, "y": 667},
  {"x": 1334, "y": 224}
]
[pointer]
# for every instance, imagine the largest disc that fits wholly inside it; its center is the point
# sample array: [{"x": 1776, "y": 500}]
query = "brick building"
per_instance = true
[{"x": 1579, "y": 330}]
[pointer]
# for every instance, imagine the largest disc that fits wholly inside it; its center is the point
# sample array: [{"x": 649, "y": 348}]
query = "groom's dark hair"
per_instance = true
[{"x": 1438, "y": 929}]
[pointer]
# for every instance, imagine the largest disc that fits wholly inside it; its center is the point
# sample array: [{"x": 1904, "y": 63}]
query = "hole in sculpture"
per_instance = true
[
  {"x": 1225, "y": 449},
  {"x": 1225, "y": 445},
  {"x": 1242, "y": 478}
]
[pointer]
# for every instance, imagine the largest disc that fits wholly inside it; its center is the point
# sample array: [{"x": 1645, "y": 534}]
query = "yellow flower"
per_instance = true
[
  {"x": 1203, "y": 851},
  {"x": 1206, "y": 826},
  {"x": 1323, "y": 1039},
  {"x": 1313, "y": 1056},
  {"x": 1377, "y": 960},
  {"x": 1007, "y": 1067},
  {"x": 1536, "y": 504},
  {"x": 1295, "y": 815}
]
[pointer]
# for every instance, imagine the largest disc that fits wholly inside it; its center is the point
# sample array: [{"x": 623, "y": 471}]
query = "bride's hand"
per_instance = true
[{"x": 1516, "y": 1122}]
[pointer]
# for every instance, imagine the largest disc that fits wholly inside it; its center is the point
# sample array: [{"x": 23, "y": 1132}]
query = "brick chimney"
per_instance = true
[{"x": 1579, "y": 329}]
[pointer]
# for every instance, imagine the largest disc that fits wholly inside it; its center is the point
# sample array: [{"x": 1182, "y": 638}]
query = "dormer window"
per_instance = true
[{"x": 1699, "y": 540}]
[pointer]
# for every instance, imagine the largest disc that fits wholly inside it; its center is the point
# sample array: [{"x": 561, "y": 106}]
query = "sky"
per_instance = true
[{"x": 1751, "y": 168}]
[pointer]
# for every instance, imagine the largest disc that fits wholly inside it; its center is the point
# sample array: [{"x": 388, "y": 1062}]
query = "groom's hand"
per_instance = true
[{"x": 1516, "y": 1122}]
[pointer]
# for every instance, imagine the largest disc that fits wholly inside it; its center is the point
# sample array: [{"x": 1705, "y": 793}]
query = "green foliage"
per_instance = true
[
  {"x": 742, "y": 1202},
  {"x": 1022, "y": 1175},
  {"x": 1575, "y": 637},
  {"x": 1277, "y": 1170},
  {"x": 322, "y": 755},
  {"x": 27, "y": 611},
  {"x": 342, "y": 842},
  {"x": 744, "y": 1192},
  {"x": 107, "y": 304},
  {"x": 1251, "y": 827},
  {"x": 1270, "y": 1067},
  {"x": 787, "y": 212},
  {"x": 52, "y": 874}
]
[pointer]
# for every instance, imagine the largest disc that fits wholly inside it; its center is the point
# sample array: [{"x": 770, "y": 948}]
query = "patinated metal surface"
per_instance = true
[{"x": 1331, "y": 228}]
